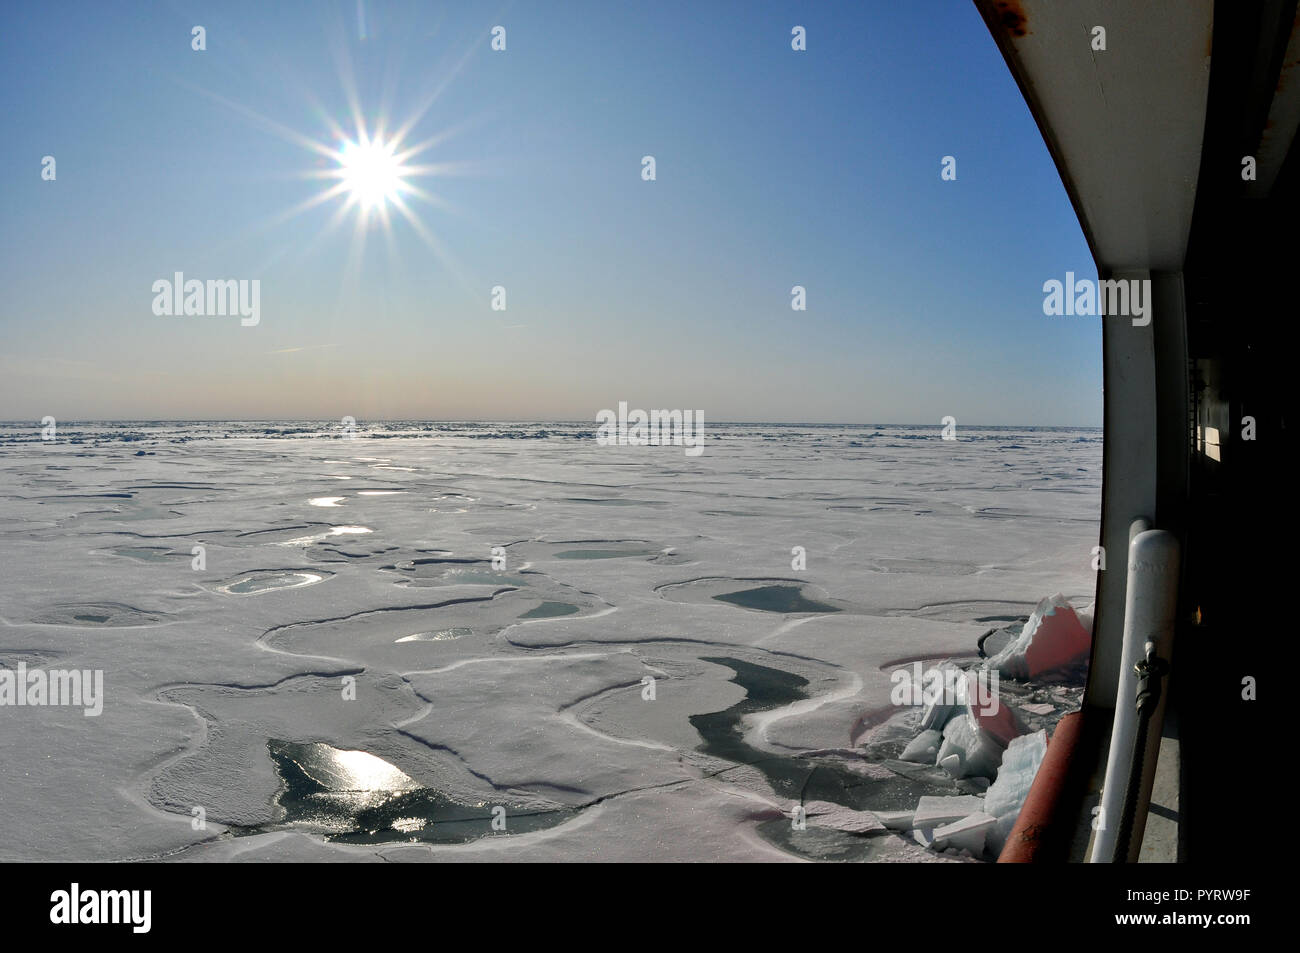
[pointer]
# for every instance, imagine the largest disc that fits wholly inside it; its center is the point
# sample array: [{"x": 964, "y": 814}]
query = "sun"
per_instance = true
[
  {"x": 377, "y": 175},
  {"x": 371, "y": 172}
]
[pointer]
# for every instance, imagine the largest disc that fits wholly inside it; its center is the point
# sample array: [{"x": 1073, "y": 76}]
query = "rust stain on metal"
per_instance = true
[
  {"x": 1033, "y": 833},
  {"x": 1284, "y": 74},
  {"x": 1012, "y": 17}
]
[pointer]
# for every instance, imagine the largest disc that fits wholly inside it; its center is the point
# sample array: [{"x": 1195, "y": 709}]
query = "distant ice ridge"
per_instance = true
[{"x": 847, "y": 436}]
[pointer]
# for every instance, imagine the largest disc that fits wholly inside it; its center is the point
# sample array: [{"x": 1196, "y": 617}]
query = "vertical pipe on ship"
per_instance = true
[{"x": 1149, "y": 611}]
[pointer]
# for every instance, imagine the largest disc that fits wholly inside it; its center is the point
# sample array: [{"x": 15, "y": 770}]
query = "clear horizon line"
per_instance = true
[{"x": 510, "y": 420}]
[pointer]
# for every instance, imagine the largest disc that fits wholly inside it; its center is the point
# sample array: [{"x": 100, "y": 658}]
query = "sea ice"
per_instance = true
[
  {"x": 1053, "y": 637},
  {"x": 935, "y": 811},
  {"x": 966, "y": 750},
  {"x": 924, "y": 748},
  {"x": 968, "y": 833},
  {"x": 836, "y": 817},
  {"x": 973, "y": 738},
  {"x": 994, "y": 719},
  {"x": 449, "y": 675},
  {"x": 940, "y": 687},
  {"x": 1005, "y": 797},
  {"x": 896, "y": 820}
]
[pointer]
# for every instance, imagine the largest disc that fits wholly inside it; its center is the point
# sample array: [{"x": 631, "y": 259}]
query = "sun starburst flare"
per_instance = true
[{"x": 372, "y": 173}]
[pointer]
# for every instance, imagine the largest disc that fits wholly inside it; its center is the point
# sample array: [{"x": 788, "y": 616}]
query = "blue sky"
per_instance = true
[{"x": 775, "y": 168}]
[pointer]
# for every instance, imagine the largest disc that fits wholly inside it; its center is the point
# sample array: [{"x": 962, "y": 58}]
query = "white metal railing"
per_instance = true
[{"x": 1150, "y": 606}]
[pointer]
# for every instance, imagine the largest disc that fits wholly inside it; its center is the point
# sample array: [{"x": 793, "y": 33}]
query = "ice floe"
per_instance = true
[
  {"x": 1054, "y": 637},
  {"x": 1005, "y": 797},
  {"x": 669, "y": 718}
]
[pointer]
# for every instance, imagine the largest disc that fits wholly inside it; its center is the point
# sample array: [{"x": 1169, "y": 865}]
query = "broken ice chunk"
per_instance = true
[
  {"x": 1053, "y": 637},
  {"x": 898, "y": 729},
  {"x": 924, "y": 747},
  {"x": 973, "y": 785},
  {"x": 968, "y": 833},
  {"x": 966, "y": 750},
  {"x": 869, "y": 769},
  {"x": 982, "y": 703},
  {"x": 1006, "y": 796},
  {"x": 936, "y": 714},
  {"x": 933, "y": 811},
  {"x": 1039, "y": 709},
  {"x": 836, "y": 817},
  {"x": 896, "y": 820},
  {"x": 939, "y": 691},
  {"x": 974, "y": 737},
  {"x": 925, "y": 773}
]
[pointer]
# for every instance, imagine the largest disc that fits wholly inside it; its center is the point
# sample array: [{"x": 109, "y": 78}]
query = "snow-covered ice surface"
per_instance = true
[{"x": 361, "y": 681}]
